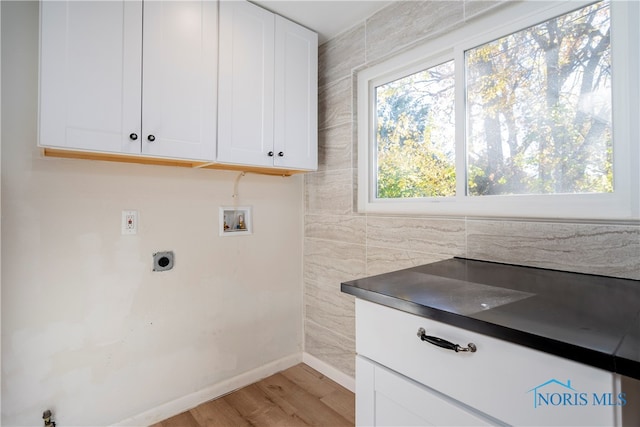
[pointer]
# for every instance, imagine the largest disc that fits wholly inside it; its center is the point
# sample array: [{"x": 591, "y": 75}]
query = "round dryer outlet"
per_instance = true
[{"x": 163, "y": 261}]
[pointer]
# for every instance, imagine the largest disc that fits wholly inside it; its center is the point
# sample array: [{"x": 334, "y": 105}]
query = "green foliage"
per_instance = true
[
  {"x": 538, "y": 113},
  {"x": 540, "y": 108},
  {"x": 415, "y": 135},
  {"x": 414, "y": 170}
]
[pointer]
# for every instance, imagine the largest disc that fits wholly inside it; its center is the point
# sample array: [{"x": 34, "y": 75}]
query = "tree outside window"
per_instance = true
[
  {"x": 539, "y": 108},
  {"x": 538, "y": 116}
]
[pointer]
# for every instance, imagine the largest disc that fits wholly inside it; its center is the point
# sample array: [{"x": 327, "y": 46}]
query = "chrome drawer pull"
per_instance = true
[{"x": 422, "y": 334}]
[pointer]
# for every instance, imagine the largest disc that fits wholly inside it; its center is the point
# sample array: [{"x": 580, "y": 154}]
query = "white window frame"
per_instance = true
[{"x": 622, "y": 204}]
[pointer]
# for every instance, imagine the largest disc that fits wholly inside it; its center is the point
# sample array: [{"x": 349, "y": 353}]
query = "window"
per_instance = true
[
  {"x": 531, "y": 119},
  {"x": 538, "y": 108},
  {"x": 415, "y": 134}
]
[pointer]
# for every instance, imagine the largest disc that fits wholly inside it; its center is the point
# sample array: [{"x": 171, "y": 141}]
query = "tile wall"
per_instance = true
[{"x": 340, "y": 244}]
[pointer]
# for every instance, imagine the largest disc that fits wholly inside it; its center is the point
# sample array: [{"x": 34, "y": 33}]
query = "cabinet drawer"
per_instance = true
[
  {"x": 512, "y": 383},
  {"x": 394, "y": 400}
]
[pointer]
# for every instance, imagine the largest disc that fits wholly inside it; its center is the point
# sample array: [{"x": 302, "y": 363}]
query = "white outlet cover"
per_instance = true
[{"x": 129, "y": 222}]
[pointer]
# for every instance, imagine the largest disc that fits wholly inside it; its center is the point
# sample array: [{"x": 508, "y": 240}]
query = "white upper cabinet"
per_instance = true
[
  {"x": 90, "y": 64},
  {"x": 247, "y": 55},
  {"x": 267, "y": 89},
  {"x": 119, "y": 78},
  {"x": 296, "y": 96},
  {"x": 179, "y": 78}
]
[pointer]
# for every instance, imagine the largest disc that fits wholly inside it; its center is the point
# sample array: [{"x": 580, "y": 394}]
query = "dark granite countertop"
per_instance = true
[{"x": 587, "y": 318}]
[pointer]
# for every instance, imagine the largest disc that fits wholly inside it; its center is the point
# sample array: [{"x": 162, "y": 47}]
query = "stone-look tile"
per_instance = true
[
  {"x": 612, "y": 250},
  {"x": 406, "y": 22},
  {"x": 354, "y": 139},
  {"x": 474, "y": 8},
  {"x": 334, "y": 349},
  {"x": 335, "y": 103},
  {"x": 354, "y": 200},
  {"x": 329, "y": 307},
  {"x": 327, "y": 262},
  {"x": 385, "y": 260},
  {"x": 341, "y": 228},
  {"x": 334, "y": 147},
  {"x": 335, "y": 236},
  {"x": 329, "y": 192},
  {"x": 354, "y": 99},
  {"x": 338, "y": 56},
  {"x": 439, "y": 236}
]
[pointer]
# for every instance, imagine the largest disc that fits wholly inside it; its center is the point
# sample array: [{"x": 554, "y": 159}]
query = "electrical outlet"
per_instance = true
[
  {"x": 163, "y": 261},
  {"x": 129, "y": 222}
]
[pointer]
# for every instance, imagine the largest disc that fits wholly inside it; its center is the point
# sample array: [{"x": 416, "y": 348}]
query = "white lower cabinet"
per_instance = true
[
  {"x": 403, "y": 380},
  {"x": 391, "y": 399}
]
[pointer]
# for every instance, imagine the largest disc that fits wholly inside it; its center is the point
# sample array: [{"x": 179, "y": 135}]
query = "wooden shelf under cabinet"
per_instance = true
[{"x": 194, "y": 164}]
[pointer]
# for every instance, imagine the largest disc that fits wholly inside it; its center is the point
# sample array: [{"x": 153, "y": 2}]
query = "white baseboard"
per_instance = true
[
  {"x": 329, "y": 371},
  {"x": 192, "y": 400}
]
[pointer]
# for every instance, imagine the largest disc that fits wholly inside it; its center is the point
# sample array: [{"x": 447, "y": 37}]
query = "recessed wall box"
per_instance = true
[
  {"x": 163, "y": 261},
  {"x": 235, "y": 220}
]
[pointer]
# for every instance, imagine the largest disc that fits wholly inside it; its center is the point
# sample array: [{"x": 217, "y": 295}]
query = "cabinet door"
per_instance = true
[
  {"x": 179, "y": 79},
  {"x": 519, "y": 378},
  {"x": 385, "y": 398},
  {"x": 245, "y": 133},
  {"x": 296, "y": 96},
  {"x": 90, "y": 68}
]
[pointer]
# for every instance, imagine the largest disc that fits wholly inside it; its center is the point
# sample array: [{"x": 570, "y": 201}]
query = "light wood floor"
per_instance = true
[{"x": 299, "y": 396}]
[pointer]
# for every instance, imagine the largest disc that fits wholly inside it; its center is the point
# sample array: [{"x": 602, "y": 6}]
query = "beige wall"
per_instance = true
[
  {"x": 88, "y": 329},
  {"x": 341, "y": 245}
]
